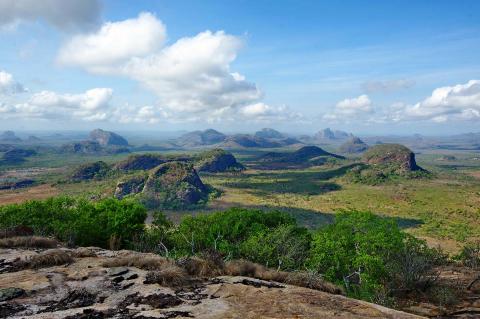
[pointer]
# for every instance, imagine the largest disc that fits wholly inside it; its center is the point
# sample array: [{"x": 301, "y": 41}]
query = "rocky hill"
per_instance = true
[
  {"x": 303, "y": 157},
  {"x": 96, "y": 170},
  {"x": 106, "y": 138},
  {"x": 217, "y": 160},
  {"x": 269, "y": 133},
  {"x": 328, "y": 134},
  {"x": 96, "y": 283},
  {"x": 92, "y": 148},
  {"x": 170, "y": 185},
  {"x": 353, "y": 146},
  {"x": 397, "y": 156},
  {"x": 16, "y": 155},
  {"x": 199, "y": 138}
]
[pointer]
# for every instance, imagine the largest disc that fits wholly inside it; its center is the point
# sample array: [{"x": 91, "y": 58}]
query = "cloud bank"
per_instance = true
[{"x": 62, "y": 14}]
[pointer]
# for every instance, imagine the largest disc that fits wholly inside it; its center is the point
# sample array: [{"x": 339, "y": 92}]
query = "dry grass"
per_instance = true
[
  {"x": 201, "y": 267},
  {"x": 83, "y": 252},
  {"x": 49, "y": 258},
  {"x": 170, "y": 275},
  {"x": 139, "y": 261},
  {"x": 301, "y": 278},
  {"x": 28, "y": 242},
  {"x": 21, "y": 195},
  {"x": 312, "y": 280}
]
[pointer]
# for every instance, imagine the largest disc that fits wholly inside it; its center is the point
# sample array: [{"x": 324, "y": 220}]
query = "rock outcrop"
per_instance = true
[
  {"x": 174, "y": 185},
  {"x": 398, "y": 157},
  {"x": 88, "y": 285},
  {"x": 106, "y": 138},
  {"x": 130, "y": 186},
  {"x": 217, "y": 160}
]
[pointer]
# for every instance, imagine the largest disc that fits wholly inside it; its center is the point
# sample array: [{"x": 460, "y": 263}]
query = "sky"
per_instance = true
[{"x": 368, "y": 67}]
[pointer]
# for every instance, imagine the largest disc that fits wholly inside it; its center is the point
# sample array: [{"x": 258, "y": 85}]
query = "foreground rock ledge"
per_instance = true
[{"x": 85, "y": 289}]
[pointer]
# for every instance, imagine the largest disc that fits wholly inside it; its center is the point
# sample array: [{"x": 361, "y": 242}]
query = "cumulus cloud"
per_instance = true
[
  {"x": 63, "y": 14},
  {"x": 192, "y": 77},
  {"x": 114, "y": 43},
  {"x": 263, "y": 112},
  {"x": 92, "y": 105},
  {"x": 8, "y": 85},
  {"x": 458, "y": 102},
  {"x": 387, "y": 86},
  {"x": 351, "y": 108}
]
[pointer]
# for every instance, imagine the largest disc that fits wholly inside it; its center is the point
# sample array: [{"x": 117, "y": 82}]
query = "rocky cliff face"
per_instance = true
[
  {"x": 86, "y": 283},
  {"x": 105, "y": 138},
  {"x": 395, "y": 155}
]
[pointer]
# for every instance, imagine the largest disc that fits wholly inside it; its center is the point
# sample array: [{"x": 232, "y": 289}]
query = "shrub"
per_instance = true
[
  {"x": 367, "y": 253},
  {"x": 470, "y": 255},
  {"x": 224, "y": 231},
  {"x": 78, "y": 221},
  {"x": 49, "y": 258},
  {"x": 285, "y": 247}
]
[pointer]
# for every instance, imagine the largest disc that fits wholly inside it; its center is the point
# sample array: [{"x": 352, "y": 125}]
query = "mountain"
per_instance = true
[
  {"x": 9, "y": 136},
  {"x": 328, "y": 134},
  {"x": 106, "y": 138},
  {"x": 269, "y": 133},
  {"x": 303, "y": 157},
  {"x": 199, "y": 138},
  {"x": 217, "y": 160},
  {"x": 92, "y": 147},
  {"x": 248, "y": 141},
  {"x": 353, "y": 146}
]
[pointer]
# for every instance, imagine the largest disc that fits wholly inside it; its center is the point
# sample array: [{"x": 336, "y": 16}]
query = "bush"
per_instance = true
[
  {"x": 368, "y": 253},
  {"x": 224, "y": 231},
  {"x": 78, "y": 221},
  {"x": 284, "y": 247},
  {"x": 470, "y": 255}
]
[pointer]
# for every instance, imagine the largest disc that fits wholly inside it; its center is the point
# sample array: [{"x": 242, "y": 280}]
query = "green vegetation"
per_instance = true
[{"x": 105, "y": 223}]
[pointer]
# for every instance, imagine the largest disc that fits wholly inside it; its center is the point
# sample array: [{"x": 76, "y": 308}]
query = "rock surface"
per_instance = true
[
  {"x": 399, "y": 156},
  {"x": 175, "y": 185},
  {"x": 86, "y": 289},
  {"x": 106, "y": 138},
  {"x": 130, "y": 186}
]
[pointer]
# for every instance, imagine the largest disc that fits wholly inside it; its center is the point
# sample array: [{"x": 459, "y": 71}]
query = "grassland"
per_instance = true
[{"x": 444, "y": 209}]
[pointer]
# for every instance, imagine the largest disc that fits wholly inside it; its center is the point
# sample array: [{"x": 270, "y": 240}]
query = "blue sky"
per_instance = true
[{"x": 371, "y": 67}]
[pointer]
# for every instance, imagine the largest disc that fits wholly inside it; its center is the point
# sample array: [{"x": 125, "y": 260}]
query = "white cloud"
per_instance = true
[
  {"x": 92, "y": 105},
  {"x": 352, "y": 108},
  {"x": 114, "y": 43},
  {"x": 63, "y": 14},
  {"x": 192, "y": 77},
  {"x": 387, "y": 86},
  {"x": 263, "y": 112},
  {"x": 8, "y": 85},
  {"x": 458, "y": 102}
]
